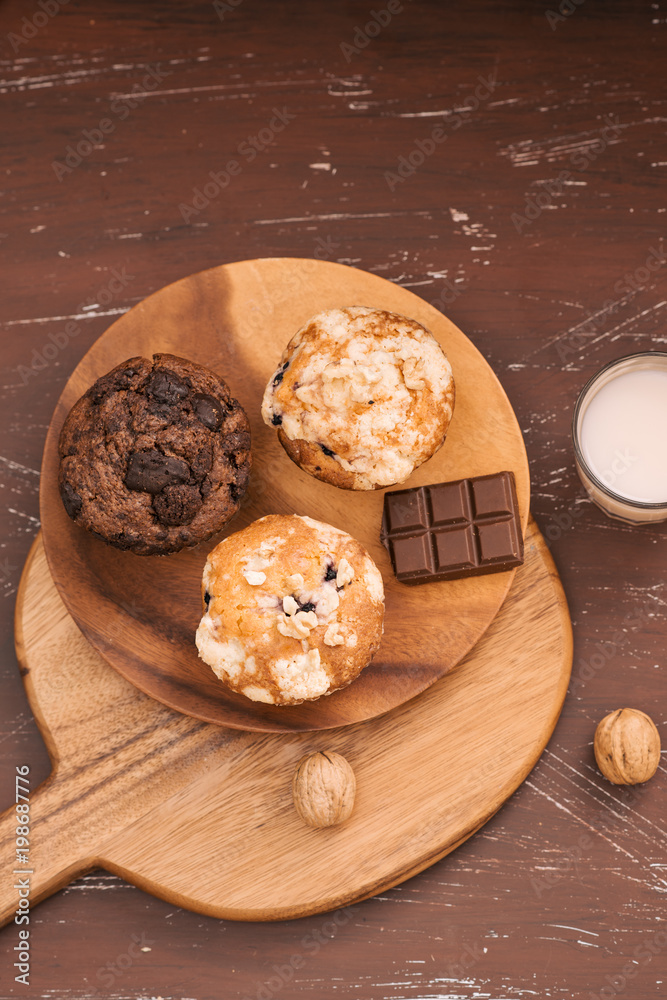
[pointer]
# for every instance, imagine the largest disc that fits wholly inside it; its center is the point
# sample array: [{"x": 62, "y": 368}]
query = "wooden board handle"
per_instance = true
[
  {"x": 202, "y": 816},
  {"x": 54, "y": 848}
]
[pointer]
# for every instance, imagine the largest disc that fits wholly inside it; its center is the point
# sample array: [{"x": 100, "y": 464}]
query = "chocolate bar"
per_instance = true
[{"x": 451, "y": 530}]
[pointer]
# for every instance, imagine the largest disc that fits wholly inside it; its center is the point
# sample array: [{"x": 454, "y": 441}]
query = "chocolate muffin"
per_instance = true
[{"x": 155, "y": 456}]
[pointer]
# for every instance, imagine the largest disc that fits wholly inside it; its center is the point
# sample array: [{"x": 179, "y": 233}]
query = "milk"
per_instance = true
[{"x": 623, "y": 435}]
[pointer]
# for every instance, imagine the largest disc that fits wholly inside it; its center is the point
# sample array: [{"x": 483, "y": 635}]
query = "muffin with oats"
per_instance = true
[
  {"x": 361, "y": 397},
  {"x": 293, "y": 610}
]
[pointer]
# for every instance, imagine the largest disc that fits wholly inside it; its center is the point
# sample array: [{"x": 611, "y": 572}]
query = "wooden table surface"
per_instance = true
[{"x": 506, "y": 160}]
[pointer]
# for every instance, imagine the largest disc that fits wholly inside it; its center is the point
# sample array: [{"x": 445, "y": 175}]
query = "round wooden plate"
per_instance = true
[{"x": 141, "y": 612}]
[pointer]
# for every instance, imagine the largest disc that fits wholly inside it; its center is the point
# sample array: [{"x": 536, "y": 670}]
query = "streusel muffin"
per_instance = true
[
  {"x": 361, "y": 397},
  {"x": 293, "y": 609},
  {"x": 155, "y": 455}
]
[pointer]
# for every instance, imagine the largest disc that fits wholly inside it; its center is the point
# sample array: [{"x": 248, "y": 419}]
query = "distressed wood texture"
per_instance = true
[
  {"x": 202, "y": 815},
  {"x": 537, "y": 228},
  {"x": 205, "y": 318}
]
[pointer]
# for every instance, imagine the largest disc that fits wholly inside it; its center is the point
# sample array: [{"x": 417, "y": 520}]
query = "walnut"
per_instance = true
[
  {"x": 413, "y": 370},
  {"x": 345, "y": 573},
  {"x": 290, "y": 607},
  {"x": 323, "y": 789},
  {"x": 307, "y": 619},
  {"x": 333, "y": 635},
  {"x": 297, "y": 626},
  {"x": 627, "y": 747}
]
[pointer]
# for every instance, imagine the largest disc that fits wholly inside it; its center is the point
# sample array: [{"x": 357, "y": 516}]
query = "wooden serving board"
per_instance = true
[
  {"x": 202, "y": 815},
  {"x": 141, "y": 613}
]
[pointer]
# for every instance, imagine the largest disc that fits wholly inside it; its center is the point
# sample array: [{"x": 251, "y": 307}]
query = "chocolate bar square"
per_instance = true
[
  {"x": 413, "y": 553},
  {"x": 497, "y": 541},
  {"x": 491, "y": 496},
  {"x": 407, "y": 512},
  {"x": 455, "y": 548},
  {"x": 449, "y": 503},
  {"x": 447, "y": 531}
]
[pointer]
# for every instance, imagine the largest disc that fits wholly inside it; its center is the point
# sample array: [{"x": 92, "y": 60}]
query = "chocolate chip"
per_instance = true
[
  {"x": 207, "y": 598},
  {"x": 331, "y": 573},
  {"x": 208, "y": 411},
  {"x": 126, "y": 376},
  {"x": 166, "y": 387},
  {"x": 177, "y": 504},
  {"x": 278, "y": 377},
  {"x": 327, "y": 451},
  {"x": 151, "y": 471},
  {"x": 165, "y": 411},
  {"x": 276, "y": 420},
  {"x": 308, "y": 606},
  {"x": 72, "y": 502}
]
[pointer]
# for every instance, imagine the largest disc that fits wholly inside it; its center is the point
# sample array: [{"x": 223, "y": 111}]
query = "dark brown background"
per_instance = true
[{"x": 480, "y": 923}]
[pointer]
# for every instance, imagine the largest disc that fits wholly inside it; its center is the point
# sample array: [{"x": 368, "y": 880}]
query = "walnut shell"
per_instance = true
[
  {"x": 323, "y": 788},
  {"x": 627, "y": 747}
]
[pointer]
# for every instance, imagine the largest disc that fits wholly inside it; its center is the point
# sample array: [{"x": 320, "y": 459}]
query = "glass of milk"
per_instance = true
[{"x": 619, "y": 430}]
